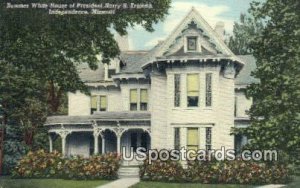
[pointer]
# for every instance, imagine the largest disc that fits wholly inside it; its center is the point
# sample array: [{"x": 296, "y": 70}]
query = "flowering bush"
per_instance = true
[
  {"x": 95, "y": 167},
  {"x": 40, "y": 164},
  {"x": 52, "y": 165},
  {"x": 162, "y": 171},
  {"x": 233, "y": 172},
  {"x": 237, "y": 172}
]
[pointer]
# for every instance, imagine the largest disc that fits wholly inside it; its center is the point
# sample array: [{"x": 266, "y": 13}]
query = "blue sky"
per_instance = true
[{"x": 227, "y": 11}]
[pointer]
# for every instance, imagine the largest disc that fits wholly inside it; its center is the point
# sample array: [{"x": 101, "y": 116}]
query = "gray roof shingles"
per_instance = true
[{"x": 134, "y": 60}]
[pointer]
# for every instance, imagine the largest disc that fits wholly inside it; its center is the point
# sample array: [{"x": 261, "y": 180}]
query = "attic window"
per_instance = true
[
  {"x": 111, "y": 72},
  {"x": 192, "y": 44}
]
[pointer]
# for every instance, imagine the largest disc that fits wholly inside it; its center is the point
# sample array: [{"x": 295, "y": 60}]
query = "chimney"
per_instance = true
[
  {"x": 122, "y": 42},
  {"x": 220, "y": 30}
]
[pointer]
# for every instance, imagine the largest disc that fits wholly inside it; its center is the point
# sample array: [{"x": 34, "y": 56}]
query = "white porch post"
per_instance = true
[
  {"x": 103, "y": 143},
  {"x": 96, "y": 133},
  {"x": 118, "y": 143},
  {"x": 96, "y": 147},
  {"x": 50, "y": 143},
  {"x": 63, "y": 134}
]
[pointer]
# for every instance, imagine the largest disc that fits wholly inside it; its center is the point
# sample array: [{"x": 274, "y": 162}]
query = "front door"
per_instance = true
[{"x": 133, "y": 138}]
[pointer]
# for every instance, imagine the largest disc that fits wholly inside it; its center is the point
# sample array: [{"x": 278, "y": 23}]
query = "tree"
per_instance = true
[
  {"x": 275, "y": 114},
  {"x": 46, "y": 49},
  {"x": 243, "y": 33}
]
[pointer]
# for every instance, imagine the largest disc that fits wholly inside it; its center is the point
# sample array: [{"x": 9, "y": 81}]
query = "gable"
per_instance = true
[{"x": 192, "y": 25}]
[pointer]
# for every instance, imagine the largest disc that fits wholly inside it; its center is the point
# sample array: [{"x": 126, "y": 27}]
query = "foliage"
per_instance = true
[
  {"x": 275, "y": 114},
  {"x": 14, "y": 148},
  {"x": 243, "y": 34},
  {"x": 227, "y": 172},
  {"x": 52, "y": 45},
  {"x": 162, "y": 171},
  {"x": 41, "y": 164},
  {"x": 96, "y": 167}
]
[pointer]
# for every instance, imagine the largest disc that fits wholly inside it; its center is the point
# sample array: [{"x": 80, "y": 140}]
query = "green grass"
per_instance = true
[
  {"x": 149, "y": 184},
  {"x": 146, "y": 184},
  {"x": 6, "y": 182},
  {"x": 295, "y": 183}
]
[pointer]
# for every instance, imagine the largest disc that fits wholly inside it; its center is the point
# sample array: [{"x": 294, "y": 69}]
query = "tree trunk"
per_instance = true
[
  {"x": 3, "y": 123},
  {"x": 54, "y": 97}
]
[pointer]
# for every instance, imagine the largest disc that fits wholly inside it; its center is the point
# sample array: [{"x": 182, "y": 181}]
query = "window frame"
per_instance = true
[
  {"x": 188, "y": 38},
  {"x": 133, "y": 103}
]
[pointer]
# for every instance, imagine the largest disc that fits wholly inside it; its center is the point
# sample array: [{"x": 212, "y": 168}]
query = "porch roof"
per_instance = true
[{"x": 99, "y": 116}]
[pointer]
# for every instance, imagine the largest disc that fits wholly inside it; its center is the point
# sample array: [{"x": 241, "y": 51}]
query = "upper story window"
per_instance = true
[
  {"x": 208, "y": 92},
  {"x": 98, "y": 103},
  {"x": 192, "y": 44},
  {"x": 193, "y": 90},
  {"x": 144, "y": 100},
  {"x": 133, "y": 99},
  {"x": 94, "y": 101},
  {"x": 177, "y": 90},
  {"x": 103, "y": 103},
  {"x": 138, "y": 99}
]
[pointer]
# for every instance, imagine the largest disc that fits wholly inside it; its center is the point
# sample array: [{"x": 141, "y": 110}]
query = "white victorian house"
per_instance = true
[{"x": 188, "y": 91}]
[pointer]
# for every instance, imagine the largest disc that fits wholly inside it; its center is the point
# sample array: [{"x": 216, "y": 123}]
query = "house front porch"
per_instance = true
[{"x": 100, "y": 133}]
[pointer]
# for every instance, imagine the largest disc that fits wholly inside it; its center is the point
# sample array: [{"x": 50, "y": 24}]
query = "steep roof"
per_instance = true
[
  {"x": 88, "y": 75},
  {"x": 244, "y": 77}
]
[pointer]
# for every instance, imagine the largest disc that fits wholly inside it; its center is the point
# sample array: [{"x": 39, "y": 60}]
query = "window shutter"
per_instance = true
[
  {"x": 133, "y": 96},
  {"x": 94, "y": 102},
  {"x": 193, "y": 85},
  {"x": 144, "y": 96}
]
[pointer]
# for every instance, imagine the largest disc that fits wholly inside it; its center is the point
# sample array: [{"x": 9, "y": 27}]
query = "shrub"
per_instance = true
[
  {"x": 162, "y": 171},
  {"x": 233, "y": 172},
  {"x": 41, "y": 164},
  {"x": 96, "y": 167}
]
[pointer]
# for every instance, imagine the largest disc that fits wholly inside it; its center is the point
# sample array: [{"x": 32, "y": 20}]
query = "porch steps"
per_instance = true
[{"x": 129, "y": 172}]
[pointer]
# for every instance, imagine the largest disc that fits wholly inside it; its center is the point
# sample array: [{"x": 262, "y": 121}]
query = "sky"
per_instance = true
[{"x": 213, "y": 11}]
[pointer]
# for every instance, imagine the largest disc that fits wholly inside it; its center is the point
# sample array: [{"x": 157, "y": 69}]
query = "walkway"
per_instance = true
[
  {"x": 271, "y": 186},
  {"x": 121, "y": 183}
]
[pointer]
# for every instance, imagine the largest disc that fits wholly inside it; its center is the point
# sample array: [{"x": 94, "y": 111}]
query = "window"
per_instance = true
[
  {"x": 133, "y": 99},
  {"x": 192, "y": 90},
  {"x": 177, "y": 90},
  {"x": 192, "y": 139},
  {"x": 103, "y": 103},
  {"x": 191, "y": 43},
  {"x": 94, "y": 103},
  {"x": 111, "y": 72},
  {"x": 208, "y": 138},
  {"x": 208, "y": 98},
  {"x": 144, "y": 100},
  {"x": 177, "y": 138}
]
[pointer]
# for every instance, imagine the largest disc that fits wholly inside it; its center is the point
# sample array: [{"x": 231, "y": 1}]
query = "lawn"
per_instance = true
[
  {"x": 186, "y": 185},
  {"x": 6, "y": 182},
  {"x": 146, "y": 184}
]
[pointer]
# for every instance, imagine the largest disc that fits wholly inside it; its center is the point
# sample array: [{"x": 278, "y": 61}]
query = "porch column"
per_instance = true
[
  {"x": 63, "y": 135},
  {"x": 103, "y": 143},
  {"x": 50, "y": 143},
  {"x": 118, "y": 143},
  {"x": 96, "y": 147}
]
